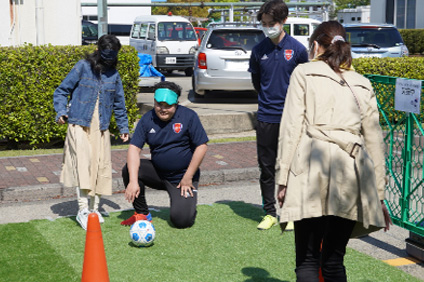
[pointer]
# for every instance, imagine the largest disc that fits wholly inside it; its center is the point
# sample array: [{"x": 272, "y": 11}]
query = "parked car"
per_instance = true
[
  {"x": 375, "y": 40},
  {"x": 200, "y": 31},
  {"x": 121, "y": 31},
  {"x": 170, "y": 40},
  {"x": 301, "y": 29},
  {"x": 89, "y": 33},
  {"x": 222, "y": 59}
]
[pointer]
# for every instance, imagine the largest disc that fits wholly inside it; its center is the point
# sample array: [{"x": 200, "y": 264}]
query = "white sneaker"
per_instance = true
[
  {"x": 101, "y": 219},
  {"x": 82, "y": 218}
]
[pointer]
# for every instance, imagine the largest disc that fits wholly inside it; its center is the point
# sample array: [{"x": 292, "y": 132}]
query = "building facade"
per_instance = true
[
  {"x": 404, "y": 14},
  {"x": 40, "y": 22},
  {"x": 360, "y": 14}
]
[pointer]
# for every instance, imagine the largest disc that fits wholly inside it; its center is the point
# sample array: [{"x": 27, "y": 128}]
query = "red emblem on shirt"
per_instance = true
[
  {"x": 288, "y": 54},
  {"x": 177, "y": 127}
]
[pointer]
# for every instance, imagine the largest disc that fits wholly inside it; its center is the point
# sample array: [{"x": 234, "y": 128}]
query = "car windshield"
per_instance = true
[
  {"x": 119, "y": 29},
  {"x": 373, "y": 36},
  {"x": 235, "y": 39},
  {"x": 89, "y": 30},
  {"x": 176, "y": 31}
]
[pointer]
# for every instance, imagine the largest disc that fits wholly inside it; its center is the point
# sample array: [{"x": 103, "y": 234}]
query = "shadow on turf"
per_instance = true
[
  {"x": 257, "y": 274},
  {"x": 163, "y": 214},
  {"x": 71, "y": 207},
  {"x": 239, "y": 208},
  {"x": 244, "y": 210}
]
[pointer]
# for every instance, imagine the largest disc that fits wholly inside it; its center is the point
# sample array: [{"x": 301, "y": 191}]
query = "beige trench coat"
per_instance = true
[{"x": 321, "y": 122}]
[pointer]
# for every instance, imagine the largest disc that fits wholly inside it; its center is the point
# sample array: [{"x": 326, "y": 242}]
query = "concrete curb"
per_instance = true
[
  {"x": 228, "y": 123},
  {"x": 56, "y": 190}
]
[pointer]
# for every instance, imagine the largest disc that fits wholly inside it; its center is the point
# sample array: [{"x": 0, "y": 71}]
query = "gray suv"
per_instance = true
[
  {"x": 222, "y": 59},
  {"x": 375, "y": 40}
]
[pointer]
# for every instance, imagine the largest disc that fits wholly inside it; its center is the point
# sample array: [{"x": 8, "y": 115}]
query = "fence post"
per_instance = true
[{"x": 407, "y": 156}]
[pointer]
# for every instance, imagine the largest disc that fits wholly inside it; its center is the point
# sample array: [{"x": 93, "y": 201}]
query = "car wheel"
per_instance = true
[
  {"x": 196, "y": 95},
  {"x": 188, "y": 71}
]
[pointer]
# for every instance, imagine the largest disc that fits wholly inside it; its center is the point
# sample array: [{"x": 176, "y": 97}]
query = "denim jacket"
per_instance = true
[{"x": 85, "y": 87}]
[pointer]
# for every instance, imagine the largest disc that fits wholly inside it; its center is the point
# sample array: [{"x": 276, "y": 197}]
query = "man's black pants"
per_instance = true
[
  {"x": 267, "y": 146},
  {"x": 183, "y": 210}
]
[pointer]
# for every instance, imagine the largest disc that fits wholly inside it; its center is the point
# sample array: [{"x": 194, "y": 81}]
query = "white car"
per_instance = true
[
  {"x": 222, "y": 59},
  {"x": 375, "y": 40}
]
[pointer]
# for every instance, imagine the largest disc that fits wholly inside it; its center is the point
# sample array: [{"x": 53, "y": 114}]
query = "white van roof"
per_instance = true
[
  {"x": 160, "y": 18},
  {"x": 301, "y": 20}
]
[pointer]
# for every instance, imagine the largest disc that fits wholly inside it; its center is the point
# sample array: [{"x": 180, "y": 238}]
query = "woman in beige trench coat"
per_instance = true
[{"x": 330, "y": 164}]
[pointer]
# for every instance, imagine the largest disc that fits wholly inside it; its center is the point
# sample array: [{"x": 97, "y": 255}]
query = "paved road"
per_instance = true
[{"x": 220, "y": 112}]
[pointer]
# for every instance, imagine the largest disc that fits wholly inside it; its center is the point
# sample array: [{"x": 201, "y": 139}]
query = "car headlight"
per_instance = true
[
  {"x": 404, "y": 51},
  {"x": 192, "y": 50},
  {"x": 162, "y": 50}
]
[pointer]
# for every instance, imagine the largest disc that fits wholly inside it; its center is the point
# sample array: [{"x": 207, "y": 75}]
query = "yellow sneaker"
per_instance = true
[
  {"x": 290, "y": 226},
  {"x": 267, "y": 222}
]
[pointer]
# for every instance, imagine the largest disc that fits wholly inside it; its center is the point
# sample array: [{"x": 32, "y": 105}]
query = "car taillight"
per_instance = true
[{"x": 201, "y": 61}]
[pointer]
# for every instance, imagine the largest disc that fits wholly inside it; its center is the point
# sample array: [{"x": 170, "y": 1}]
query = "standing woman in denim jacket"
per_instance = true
[{"x": 93, "y": 88}]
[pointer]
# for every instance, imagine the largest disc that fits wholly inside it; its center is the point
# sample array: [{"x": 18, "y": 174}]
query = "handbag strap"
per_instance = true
[{"x": 354, "y": 95}]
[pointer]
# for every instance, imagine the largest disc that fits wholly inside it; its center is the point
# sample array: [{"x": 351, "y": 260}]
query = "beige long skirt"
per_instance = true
[{"x": 87, "y": 158}]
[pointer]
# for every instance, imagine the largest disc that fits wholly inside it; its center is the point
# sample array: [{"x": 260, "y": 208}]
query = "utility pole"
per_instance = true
[{"x": 102, "y": 17}]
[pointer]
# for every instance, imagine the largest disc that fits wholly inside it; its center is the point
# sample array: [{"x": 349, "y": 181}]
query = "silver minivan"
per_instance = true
[
  {"x": 375, "y": 40},
  {"x": 222, "y": 60}
]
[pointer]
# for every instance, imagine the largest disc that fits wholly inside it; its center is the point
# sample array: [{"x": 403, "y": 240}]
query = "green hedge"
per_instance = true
[
  {"x": 406, "y": 67},
  {"x": 414, "y": 40},
  {"x": 28, "y": 77}
]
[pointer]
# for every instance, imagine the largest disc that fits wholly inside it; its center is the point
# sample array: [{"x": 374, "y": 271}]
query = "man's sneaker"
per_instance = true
[
  {"x": 267, "y": 222},
  {"x": 290, "y": 226},
  {"x": 82, "y": 218},
  {"x": 101, "y": 219},
  {"x": 135, "y": 217}
]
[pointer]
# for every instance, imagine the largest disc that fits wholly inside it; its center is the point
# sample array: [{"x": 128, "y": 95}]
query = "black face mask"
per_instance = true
[{"x": 108, "y": 55}]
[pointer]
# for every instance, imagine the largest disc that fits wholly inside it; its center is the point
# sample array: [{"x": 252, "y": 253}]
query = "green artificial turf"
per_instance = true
[{"x": 223, "y": 245}]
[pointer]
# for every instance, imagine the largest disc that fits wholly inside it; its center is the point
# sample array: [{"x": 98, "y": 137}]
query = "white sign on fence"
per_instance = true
[{"x": 408, "y": 95}]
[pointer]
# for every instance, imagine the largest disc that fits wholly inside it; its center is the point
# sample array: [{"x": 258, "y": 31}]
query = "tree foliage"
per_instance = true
[
  {"x": 346, "y": 4},
  {"x": 196, "y": 12},
  {"x": 182, "y": 10}
]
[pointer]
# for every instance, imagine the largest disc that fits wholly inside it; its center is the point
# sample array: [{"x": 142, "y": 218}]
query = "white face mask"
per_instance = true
[
  {"x": 315, "y": 48},
  {"x": 272, "y": 32}
]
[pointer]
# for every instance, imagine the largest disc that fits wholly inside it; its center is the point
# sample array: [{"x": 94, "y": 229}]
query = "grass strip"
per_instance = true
[{"x": 34, "y": 152}]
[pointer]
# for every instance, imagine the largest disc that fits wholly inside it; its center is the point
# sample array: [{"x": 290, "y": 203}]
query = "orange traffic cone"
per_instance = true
[
  {"x": 320, "y": 277},
  {"x": 94, "y": 268}
]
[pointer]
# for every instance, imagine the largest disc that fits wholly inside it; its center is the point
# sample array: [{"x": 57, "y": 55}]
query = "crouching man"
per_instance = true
[{"x": 178, "y": 144}]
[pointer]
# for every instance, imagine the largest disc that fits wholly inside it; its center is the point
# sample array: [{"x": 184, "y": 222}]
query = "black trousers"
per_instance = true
[
  {"x": 183, "y": 210},
  {"x": 267, "y": 146},
  {"x": 334, "y": 233}
]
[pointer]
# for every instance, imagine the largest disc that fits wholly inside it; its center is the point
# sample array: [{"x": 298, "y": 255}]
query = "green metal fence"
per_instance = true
[{"x": 404, "y": 140}]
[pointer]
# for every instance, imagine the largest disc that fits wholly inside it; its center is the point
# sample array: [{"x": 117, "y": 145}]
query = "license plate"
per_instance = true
[
  {"x": 170, "y": 60},
  {"x": 237, "y": 64},
  {"x": 370, "y": 55}
]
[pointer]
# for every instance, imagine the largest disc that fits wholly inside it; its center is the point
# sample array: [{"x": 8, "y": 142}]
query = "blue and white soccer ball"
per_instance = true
[{"x": 142, "y": 233}]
